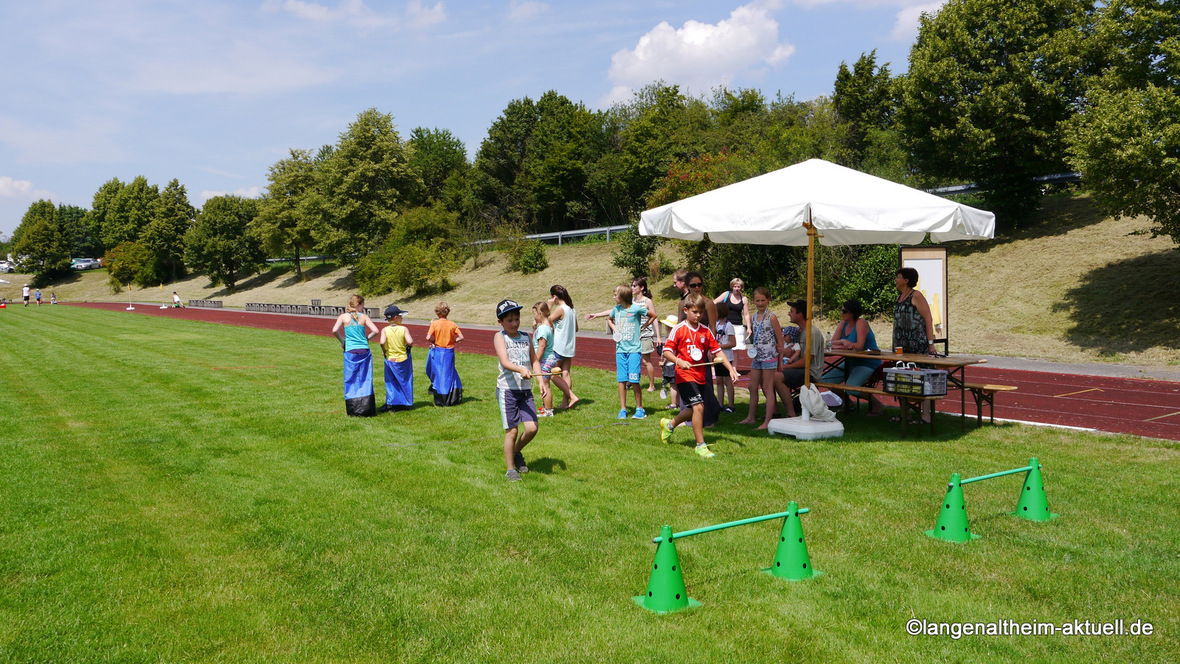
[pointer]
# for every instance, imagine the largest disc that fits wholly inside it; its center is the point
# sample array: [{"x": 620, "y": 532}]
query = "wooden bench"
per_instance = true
[
  {"x": 903, "y": 399},
  {"x": 986, "y": 392}
]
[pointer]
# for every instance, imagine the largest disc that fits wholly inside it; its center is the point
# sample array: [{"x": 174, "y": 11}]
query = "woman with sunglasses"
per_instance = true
[{"x": 694, "y": 283}]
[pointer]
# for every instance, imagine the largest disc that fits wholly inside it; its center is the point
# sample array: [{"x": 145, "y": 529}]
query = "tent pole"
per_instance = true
[{"x": 807, "y": 330}]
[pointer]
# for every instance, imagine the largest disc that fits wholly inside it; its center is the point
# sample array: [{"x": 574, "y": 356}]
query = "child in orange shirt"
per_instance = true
[{"x": 442, "y": 335}]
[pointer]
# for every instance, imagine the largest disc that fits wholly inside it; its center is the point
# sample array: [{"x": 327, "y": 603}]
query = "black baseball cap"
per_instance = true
[
  {"x": 506, "y": 307},
  {"x": 394, "y": 310}
]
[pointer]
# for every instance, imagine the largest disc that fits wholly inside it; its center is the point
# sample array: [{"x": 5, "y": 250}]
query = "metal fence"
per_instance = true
[
  {"x": 315, "y": 309},
  {"x": 560, "y": 236}
]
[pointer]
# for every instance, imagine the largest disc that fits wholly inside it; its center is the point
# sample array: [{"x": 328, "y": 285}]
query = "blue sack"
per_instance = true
[
  {"x": 399, "y": 384},
  {"x": 358, "y": 384},
  {"x": 444, "y": 380}
]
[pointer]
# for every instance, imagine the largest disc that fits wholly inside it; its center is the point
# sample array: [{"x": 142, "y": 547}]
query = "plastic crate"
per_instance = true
[{"x": 915, "y": 382}]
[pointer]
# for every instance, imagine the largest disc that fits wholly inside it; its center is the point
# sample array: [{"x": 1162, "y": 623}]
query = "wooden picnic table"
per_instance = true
[{"x": 955, "y": 366}]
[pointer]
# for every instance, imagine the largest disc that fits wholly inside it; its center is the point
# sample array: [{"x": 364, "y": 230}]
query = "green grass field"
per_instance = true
[{"x": 178, "y": 491}]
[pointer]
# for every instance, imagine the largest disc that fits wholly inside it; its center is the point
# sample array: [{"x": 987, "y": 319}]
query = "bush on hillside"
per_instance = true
[
  {"x": 637, "y": 255},
  {"x": 524, "y": 255},
  {"x": 530, "y": 258},
  {"x": 419, "y": 254},
  {"x": 130, "y": 263}
]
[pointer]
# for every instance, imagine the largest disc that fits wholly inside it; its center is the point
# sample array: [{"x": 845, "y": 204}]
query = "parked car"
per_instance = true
[
  {"x": 84, "y": 263},
  {"x": 7, "y": 267}
]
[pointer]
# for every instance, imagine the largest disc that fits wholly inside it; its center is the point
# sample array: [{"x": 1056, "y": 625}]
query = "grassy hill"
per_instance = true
[{"x": 1072, "y": 286}]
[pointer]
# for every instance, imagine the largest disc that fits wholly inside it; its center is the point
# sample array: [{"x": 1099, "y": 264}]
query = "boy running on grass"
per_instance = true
[
  {"x": 691, "y": 343},
  {"x": 626, "y": 322},
  {"x": 514, "y": 392}
]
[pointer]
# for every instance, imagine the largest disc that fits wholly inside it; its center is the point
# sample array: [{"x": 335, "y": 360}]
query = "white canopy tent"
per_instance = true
[{"x": 817, "y": 199}]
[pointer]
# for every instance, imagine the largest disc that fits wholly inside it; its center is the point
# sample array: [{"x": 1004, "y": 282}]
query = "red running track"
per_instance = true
[{"x": 1118, "y": 405}]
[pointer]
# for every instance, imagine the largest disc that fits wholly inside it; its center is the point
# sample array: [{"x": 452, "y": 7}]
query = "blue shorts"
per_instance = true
[
  {"x": 627, "y": 367},
  {"x": 547, "y": 364},
  {"x": 516, "y": 406},
  {"x": 773, "y": 364}
]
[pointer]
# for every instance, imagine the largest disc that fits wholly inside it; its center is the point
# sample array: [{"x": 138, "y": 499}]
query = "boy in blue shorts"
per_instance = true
[
  {"x": 626, "y": 322},
  {"x": 514, "y": 392}
]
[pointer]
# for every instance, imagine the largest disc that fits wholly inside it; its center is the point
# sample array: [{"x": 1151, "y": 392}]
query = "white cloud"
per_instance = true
[
  {"x": 356, "y": 14},
  {"x": 244, "y": 66},
  {"x": 22, "y": 190},
  {"x": 906, "y": 27},
  {"x": 700, "y": 56},
  {"x": 420, "y": 16},
  {"x": 523, "y": 10},
  {"x": 224, "y": 174},
  {"x": 85, "y": 138},
  {"x": 244, "y": 192},
  {"x": 350, "y": 12},
  {"x": 859, "y": 4}
]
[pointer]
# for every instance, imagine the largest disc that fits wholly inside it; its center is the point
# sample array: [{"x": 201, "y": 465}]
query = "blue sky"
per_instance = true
[{"x": 214, "y": 92}]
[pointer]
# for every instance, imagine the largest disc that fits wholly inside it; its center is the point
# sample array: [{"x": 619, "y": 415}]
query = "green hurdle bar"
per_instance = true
[
  {"x": 952, "y": 519},
  {"x": 731, "y": 524},
  {"x": 666, "y": 592}
]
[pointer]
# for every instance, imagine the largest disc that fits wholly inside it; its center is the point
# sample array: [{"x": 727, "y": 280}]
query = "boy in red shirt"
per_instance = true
[{"x": 689, "y": 344}]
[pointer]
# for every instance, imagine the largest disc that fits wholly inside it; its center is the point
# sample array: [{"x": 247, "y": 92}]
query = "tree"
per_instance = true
[
  {"x": 435, "y": 155},
  {"x": 658, "y": 127},
  {"x": 864, "y": 98},
  {"x": 37, "y": 243},
  {"x": 129, "y": 212},
  {"x": 805, "y": 130},
  {"x": 1127, "y": 141},
  {"x": 130, "y": 263},
  {"x": 365, "y": 181},
  {"x": 100, "y": 208},
  {"x": 172, "y": 215},
  {"x": 220, "y": 243},
  {"x": 79, "y": 238},
  {"x": 500, "y": 176},
  {"x": 288, "y": 213},
  {"x": 741, "y": 119},
  {"x": 419, "y": 255},
  {"x": 563, "y": 144},
  {"x": 990, "y": 84}
]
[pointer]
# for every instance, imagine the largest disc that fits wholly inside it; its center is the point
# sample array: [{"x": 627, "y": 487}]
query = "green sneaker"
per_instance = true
[
  {"x": 704, "y": 452},
  {"x": 665, "y": 430}
]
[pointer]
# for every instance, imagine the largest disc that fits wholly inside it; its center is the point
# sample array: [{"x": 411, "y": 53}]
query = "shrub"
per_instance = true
[
  {"x": 129, "y": 263},
  {"x": 419, "y": 254},
  {"x": 635, "y": 253},
  {"x": 524, "y": 255},
  {"x": 870, "y": 278},
  {"x": 530, "y": 258}
]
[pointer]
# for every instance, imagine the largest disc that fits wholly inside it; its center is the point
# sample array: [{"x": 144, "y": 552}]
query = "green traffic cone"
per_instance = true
[
  {"x": 790, "y": 559},
  {"x": 665, "y": 589},
  {"x": 1033, "y": 504},
  {"x": 952, "y": 520}
]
